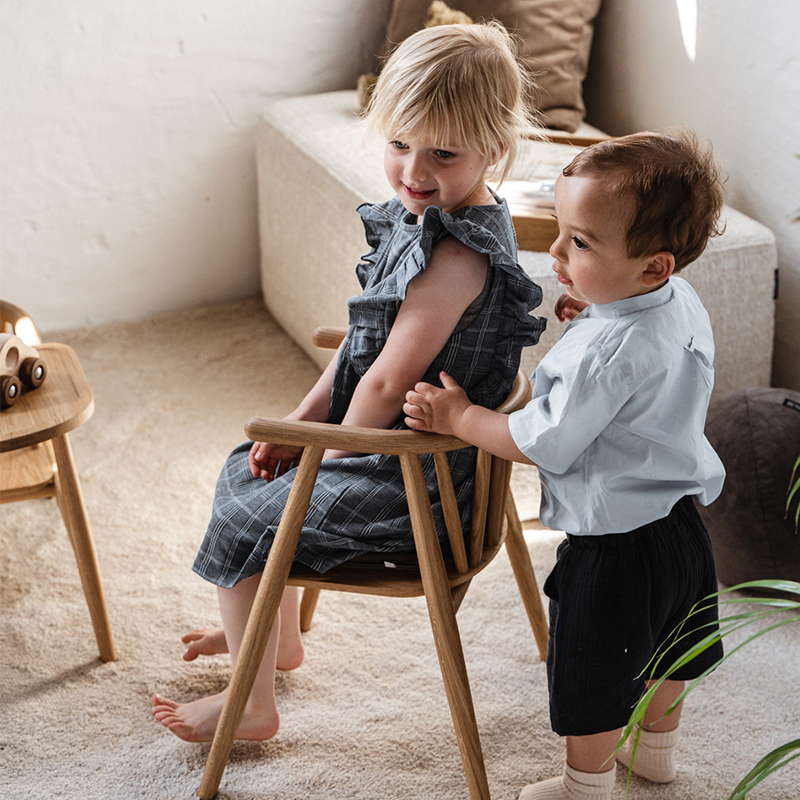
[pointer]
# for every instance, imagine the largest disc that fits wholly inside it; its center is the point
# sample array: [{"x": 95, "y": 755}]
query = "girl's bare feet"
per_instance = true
[
  {"x": 290, "y": 649},
  {"x": 204, "y": 642},
  {"x": 211, "y": 641},
  {"x": 197, "y": 721}
]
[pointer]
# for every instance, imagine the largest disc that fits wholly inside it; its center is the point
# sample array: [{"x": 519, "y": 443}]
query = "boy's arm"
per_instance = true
[{"x": 449, "y": 411}]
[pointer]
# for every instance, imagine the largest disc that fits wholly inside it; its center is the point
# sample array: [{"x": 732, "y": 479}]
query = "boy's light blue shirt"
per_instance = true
[{"x": 617, "y": 415}]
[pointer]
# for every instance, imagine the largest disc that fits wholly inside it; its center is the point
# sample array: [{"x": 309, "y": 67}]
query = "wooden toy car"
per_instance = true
[{"x": 21, "y": 368}]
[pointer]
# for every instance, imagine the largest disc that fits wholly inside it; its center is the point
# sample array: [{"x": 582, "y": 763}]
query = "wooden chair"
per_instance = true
[
  {"x": 442, "y": 585},
  {"x": 36, "y": 457}
]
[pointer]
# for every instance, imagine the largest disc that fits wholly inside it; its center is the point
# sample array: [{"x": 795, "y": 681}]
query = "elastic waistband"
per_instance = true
[{"x": 684, "y": 505}]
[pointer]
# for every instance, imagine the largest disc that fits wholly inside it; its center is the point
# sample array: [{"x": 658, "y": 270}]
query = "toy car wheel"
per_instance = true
[
  {"x": 11, "y": 390},
  {"x": 32, "y": 372}
]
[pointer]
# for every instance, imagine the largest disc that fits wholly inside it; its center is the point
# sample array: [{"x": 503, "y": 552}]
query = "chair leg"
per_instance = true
[
  {"x": 308, "y": 605},
  {"x": 458, "y": 593},
  {"x": 526, "y": 578},
  {"x": 262, "y": 617},
  {"x": 445, "y": 628},
  {"x": 76, "y": 520}
]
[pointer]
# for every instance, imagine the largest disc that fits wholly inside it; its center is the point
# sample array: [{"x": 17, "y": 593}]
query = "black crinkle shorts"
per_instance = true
[{"x": 614, "y": 600}]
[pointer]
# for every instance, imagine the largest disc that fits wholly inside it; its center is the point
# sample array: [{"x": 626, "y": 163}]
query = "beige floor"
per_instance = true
[{"x": 365, "y": 717}]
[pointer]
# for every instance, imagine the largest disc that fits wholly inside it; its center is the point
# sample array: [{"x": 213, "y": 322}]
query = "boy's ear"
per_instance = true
[{"x": 658, "y": 269}]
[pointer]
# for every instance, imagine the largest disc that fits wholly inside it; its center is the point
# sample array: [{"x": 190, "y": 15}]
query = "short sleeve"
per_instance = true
[{"x": 574, "y": 400}]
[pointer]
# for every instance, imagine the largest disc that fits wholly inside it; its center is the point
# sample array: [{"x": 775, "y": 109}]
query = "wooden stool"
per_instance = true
[{"x": 36, "y": 461}]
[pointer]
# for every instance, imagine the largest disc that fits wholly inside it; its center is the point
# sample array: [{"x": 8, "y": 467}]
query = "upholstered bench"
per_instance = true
[{"x": 313, "y": 172}]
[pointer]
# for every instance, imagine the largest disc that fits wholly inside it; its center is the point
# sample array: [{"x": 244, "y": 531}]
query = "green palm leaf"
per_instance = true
[
  {"x": 766, "y": 609},
  {"x": 771, "y": 762},
  {"x": 794, "y": 488}
]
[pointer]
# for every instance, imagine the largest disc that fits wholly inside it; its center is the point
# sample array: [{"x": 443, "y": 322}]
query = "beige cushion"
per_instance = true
[{"x": 556, "y": 37}]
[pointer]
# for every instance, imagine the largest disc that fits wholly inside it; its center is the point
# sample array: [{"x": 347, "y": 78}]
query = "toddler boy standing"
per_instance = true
[{"x": 615, "y": 426}]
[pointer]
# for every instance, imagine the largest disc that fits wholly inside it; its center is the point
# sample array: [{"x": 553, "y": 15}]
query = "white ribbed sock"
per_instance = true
[
  {"x": 655, "y": 755},
  {"x": 573, "y": 785}
]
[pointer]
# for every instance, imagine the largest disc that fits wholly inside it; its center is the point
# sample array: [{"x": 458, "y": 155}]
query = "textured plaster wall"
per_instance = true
[
  {"x": 128, "y": 169},
  {"x": 741, "y": 92},
  {"x": 126, "y": 157}
]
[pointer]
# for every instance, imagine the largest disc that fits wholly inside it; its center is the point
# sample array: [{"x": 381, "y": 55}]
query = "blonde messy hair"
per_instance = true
[{"x": 456, "y": 86}]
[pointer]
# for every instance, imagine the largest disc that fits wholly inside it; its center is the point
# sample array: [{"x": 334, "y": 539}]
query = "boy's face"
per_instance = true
[
  {"x": 591, "y": 251},
  {"x": 424, "y": 175}
]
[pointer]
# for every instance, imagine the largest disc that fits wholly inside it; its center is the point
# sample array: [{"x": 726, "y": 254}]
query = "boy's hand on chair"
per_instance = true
[
  {"x": 567, "y": 307},
  {"x": 428, "y": 408},
  {"x": 270, "y": 461}
]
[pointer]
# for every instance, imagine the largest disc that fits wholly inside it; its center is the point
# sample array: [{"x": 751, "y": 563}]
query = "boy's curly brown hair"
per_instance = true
[{"x": 675, "y": 187}]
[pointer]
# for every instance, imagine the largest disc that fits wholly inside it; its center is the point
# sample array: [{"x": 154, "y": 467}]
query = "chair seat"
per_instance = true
[{"x": 366, "y": 577}]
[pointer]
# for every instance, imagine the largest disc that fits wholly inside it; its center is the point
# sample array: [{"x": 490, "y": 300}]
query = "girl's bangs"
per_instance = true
[{"x": 431, "y": 124}]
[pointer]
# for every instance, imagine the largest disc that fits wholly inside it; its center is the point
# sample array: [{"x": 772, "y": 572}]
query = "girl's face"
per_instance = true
[
  {"x": 423, "y": 175},
  {"x": 591, "y": 251}
]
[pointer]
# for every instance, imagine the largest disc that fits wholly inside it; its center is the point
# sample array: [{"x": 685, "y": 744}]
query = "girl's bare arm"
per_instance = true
[{"x": 435, "y": 301}]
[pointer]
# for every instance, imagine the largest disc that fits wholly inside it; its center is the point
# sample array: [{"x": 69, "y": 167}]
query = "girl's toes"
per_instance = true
[{"x": 163, "y": 702}]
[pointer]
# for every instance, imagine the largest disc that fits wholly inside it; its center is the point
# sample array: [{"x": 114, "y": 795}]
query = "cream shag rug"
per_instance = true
[{"x": 365, "y": 716}]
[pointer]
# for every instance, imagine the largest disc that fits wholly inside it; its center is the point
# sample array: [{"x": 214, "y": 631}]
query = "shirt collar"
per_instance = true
[{"x": 630, "y": 305}]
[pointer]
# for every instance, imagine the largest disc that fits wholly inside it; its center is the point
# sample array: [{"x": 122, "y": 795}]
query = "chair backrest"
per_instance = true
[
  {"x": 492, "y": 476},
  {"x": 489, "y": 494},
  {"x": 499, "y": 486},
  {"x": 14, "y": 320}
]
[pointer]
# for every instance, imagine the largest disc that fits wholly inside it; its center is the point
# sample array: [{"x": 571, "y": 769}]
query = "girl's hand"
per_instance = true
[
  {"x": 439, "y": 410},
  {"x": 567, "y": 307},
  {"x": 270, "y": 461}
]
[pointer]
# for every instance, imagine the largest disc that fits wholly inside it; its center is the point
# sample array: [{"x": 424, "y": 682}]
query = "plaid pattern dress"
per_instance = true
[{"x": 358, "y": 505}]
